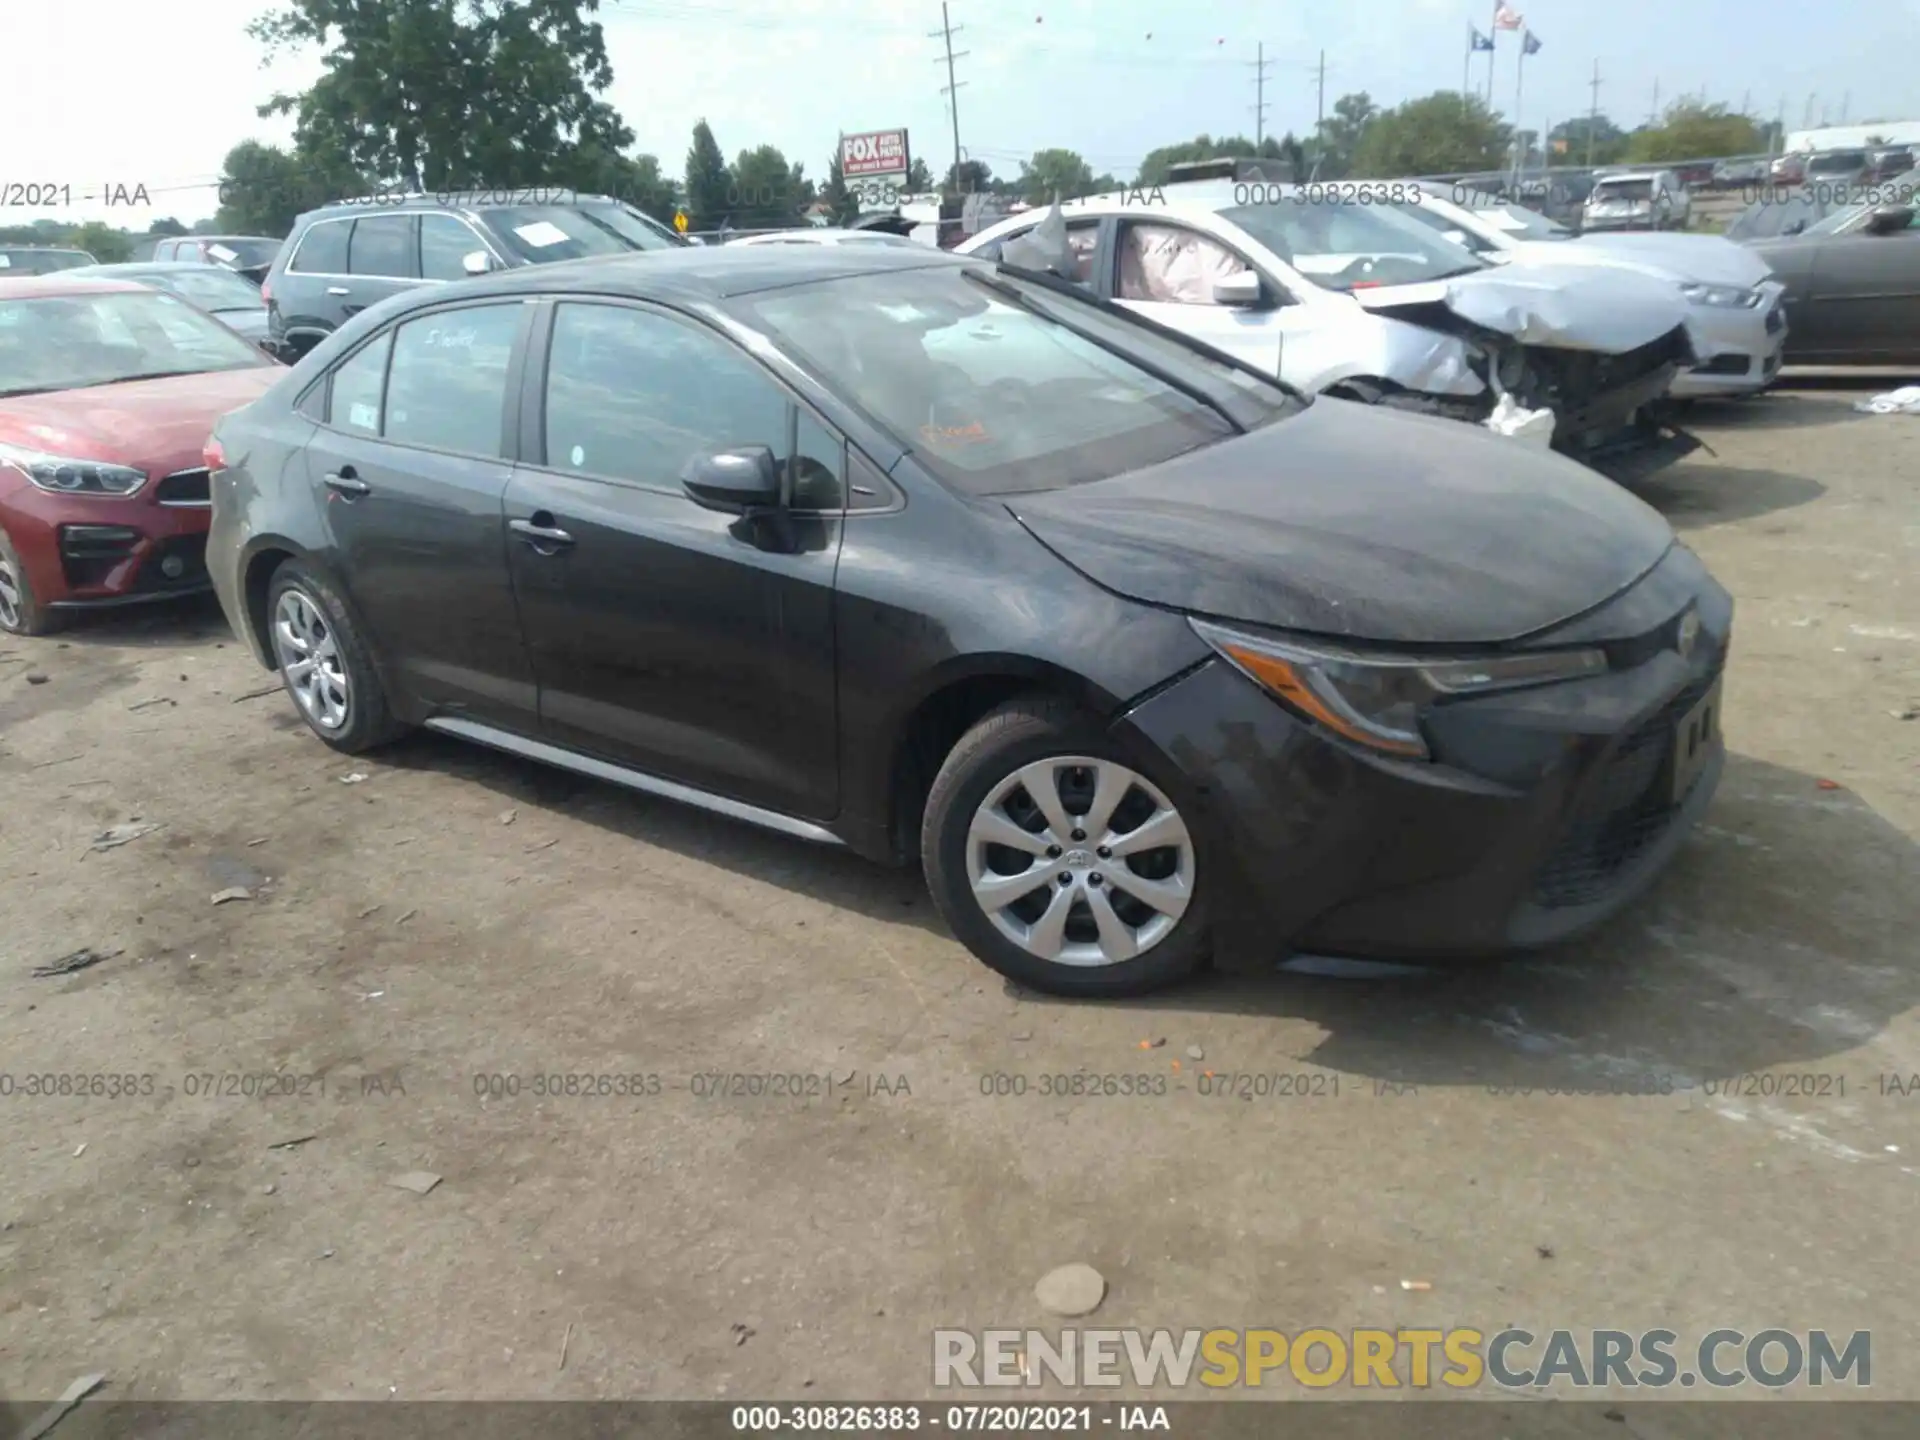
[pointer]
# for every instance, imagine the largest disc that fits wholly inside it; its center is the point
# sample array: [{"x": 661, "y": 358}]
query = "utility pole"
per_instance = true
[
  {"x": 1593, "y": 115},
  {"x": 1780, "y": 124},
  {"x": 1653, "y": 115},
  {"x": 1806, "y": 120},
  {"x": 1746, "y": 102},
  {"x": 1321, "y": 87},
  {"x": 951, "y": 89},
  {"x": 1260, "y": 66},
  {"x": 1846, "y": 104}
]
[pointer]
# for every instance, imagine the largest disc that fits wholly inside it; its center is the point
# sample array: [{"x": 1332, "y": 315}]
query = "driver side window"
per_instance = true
[{"x": 1172, "y": 265}]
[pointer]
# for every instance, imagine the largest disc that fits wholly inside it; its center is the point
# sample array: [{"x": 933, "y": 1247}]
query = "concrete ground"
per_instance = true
[{"x": 455, "y": 915}]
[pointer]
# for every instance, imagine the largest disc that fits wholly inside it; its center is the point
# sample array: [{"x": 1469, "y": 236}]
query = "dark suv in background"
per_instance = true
[
  {"x": 40, "y": 260},
  {"x": 351, "y": 254}
]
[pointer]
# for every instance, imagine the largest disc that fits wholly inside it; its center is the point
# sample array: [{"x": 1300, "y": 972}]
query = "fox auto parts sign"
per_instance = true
[{"x": 874, "y": 153}]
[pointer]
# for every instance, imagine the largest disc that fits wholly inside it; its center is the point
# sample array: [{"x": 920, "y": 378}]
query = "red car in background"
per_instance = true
[{"x": 108, "y": 392}]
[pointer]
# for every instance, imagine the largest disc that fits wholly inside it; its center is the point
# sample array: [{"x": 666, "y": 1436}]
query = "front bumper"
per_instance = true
[
  {"x": 89, "y": 553},
  {"x": 1739, "y": 350},
  {"x": 1545, "y": 812}
]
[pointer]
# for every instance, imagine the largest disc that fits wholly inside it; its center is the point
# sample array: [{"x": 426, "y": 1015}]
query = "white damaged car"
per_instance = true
[{"x": 1343, "y": 298}]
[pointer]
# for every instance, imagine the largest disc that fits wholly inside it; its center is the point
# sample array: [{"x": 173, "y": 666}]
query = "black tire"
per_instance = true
[
  {"x": 21, "y": 613},
  {"x": 368, "y": 721},
  {"x": 1019, "y": 732}
]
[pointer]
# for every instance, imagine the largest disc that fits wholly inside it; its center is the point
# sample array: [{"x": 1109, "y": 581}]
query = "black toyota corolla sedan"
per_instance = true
[{"x": 946, "y": 562}]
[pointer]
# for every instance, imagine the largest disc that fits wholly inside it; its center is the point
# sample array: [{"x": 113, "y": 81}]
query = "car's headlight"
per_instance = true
[
  {"x": 1721, "y": 297},
  {"x": 1377, "y": 700},
  {"x": 65, "y": 475}
]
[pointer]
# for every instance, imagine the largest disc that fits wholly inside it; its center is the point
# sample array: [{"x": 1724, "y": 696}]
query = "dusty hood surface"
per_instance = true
[
  {"x": 1710, "y": 259},
  {"x": 1359, "y": 522},
  {"x": 1565, "y": 307}
]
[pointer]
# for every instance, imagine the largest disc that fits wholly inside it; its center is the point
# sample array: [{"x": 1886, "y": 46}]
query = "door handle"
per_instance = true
[
  {"x": 337, "y": 290},
  {"x": 546, "y": 539},
  {"x": 345, "y": 482}
]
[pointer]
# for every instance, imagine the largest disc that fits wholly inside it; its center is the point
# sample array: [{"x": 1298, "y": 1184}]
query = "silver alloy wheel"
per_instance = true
[
  {"x": 9, "y": 595},
  {"x": 303, "y": 643},
  {"x": 1080, "y": 861}
]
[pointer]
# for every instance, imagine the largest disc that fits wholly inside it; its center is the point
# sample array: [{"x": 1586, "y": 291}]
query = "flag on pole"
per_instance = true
[
  {"x": 1507, "y": 18},
  {"x": 1529, "y": 45},
  {"x": 1481, "y": 42}
]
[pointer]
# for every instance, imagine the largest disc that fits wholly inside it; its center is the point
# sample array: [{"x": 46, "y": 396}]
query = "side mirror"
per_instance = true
[
  {"x": 735, "y": 481},
  {"x": 477, "y": 262},
  {"x": 1242, "y": 291},
  {"x": 1793, "y": 227},
  {"x": 1889, "y": 219}
]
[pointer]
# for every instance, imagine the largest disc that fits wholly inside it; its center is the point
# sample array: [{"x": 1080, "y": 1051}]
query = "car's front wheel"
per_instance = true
[
  {"x": 1059, "y": 861},
  {"x": 21, "y": 612},
  {"x": 324, "y": 662}
]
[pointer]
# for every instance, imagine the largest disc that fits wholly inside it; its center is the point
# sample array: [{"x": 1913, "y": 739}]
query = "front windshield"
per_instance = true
[
  {"x": 1344, "y": 245},
  {"x": 1524, "y": 224},
  {"x": 984, "y": 377},
  {"x": 69, "y": 342},
  {"x": 207, "y": 286},
  {"x": 41, "y": 262},
  {"x": 1838, "y": 164},
  {"x": 1622, "y": 190},
  {"x": 1840, "y": 214},
  {"x": 542, "y": 233},
  {"x": 1771, "y": 219}
]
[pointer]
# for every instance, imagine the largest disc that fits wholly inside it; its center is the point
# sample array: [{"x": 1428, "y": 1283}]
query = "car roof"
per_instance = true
[
  {"x": 811, "y": 234},
  {"x": 1629, "y": 175},
  {"x": 467, "y": 200},
  {"x": 165, "y": 267},
  {"x": 1187, "y": 205},
  {"x": 36, "y": 287},
  {"x": 699, "y": 273}
]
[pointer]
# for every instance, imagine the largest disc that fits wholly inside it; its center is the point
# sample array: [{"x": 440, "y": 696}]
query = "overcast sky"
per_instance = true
[{"x": 116, "y": 91}]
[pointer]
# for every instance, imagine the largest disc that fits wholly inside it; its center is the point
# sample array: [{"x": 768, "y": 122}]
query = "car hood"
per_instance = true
[
  {"x": 1709, "y": 259},
  {"x": 150, "y": 424},
  {"x": 1362, "y": 523},
  {"x": 1564, "y": 307}
]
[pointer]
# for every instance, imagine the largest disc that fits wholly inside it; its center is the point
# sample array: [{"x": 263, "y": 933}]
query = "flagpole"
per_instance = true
[
  {"x": 1493, "y": 51},
  {"x": 1519, "y": 73},
  {"x": 1466, "y": 65}
]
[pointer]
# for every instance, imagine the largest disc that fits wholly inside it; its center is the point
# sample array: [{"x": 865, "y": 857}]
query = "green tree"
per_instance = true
[
  {"x": 1337, "y": 140},
  {"x": 1053, "y": 173},
  {"x": 1693, "y": 131},
  {"x": 845, "y": 205},
  {"x": 449, "y": 93},
  {"x": 1156, "y": 168},
  {"x": 708, "y": 181},
  {"x": 106, "y": 244},
  {"x": 761, "y": 192},
  {"x": 168, "y": 226},
  {"x": 1439, "y": 134},
  {"x": 262, "y": 188},
  {"x": 919, "y": 178},
  {"x": 1609, "y": 141},
  {"x": 968, "y": 176}
]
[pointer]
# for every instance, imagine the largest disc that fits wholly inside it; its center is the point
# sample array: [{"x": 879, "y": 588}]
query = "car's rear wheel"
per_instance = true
[
  {"x": 325, "y": 664},
  {"x": 1059, "y": 860},
  {"x": 21, "y": 612}
]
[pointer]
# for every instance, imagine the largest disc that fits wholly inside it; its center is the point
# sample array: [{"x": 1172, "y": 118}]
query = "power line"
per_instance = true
[
  {"x": 951, "y": 89},
  {"x": 1260, "y": 66}
]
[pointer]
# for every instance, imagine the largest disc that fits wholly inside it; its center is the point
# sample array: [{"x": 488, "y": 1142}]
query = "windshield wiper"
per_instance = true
[
  {"x": 129, "y": 379},
  {"x": 32, "y": 390}
]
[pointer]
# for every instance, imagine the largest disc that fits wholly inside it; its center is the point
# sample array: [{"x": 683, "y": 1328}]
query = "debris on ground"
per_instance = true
[
  {"x": 543, "y": 845},
  {"x": 34, "y": 677},
  {"x": 235, "y": 892},
  {"x": 1828, "y": 784},
  {"x": 1194, "y": 1052},
  {"x": 294, "y": 1143},
  {"x": 1904, "y": 401},
  {"x": 565, "y": 1341},
  {"x": 1545, "y": 1252},
  {"x": 742, "y": 1333},
  {"x": 71, "y": 964},
  {"x": 406, "y": 917},
  {"x": 507, "y": 816},
  {"x": 1906, "y": 712},
  {"x": 81, "y": 1150},
  {"x": 1074, "y": 1289},
  {"x": 418, "y": 1181},
  {"x": 261, "y": 693},
  {"x": 1416, "y": 1285},
  {"x": 1153, "y": 1044},
  {"x": 260, "y": 840},
  {"x": 149, "y": 704},
  {"x": 70, "y": 1397},
  {"x": 368, "y": 911},
  {"x": 122, "y": 835},
  {"x": 354, "y": 779},
  {"x": 268, "y": 1189},
  {"x": 1023, "y": 1035}
]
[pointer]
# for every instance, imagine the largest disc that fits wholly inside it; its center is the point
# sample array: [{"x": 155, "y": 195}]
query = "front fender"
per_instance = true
[{"x": 1411, "y": 356}]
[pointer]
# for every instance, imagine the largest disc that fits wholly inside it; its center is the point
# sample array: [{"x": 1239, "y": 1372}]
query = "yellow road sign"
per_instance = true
[{"x": 680, "y": 221}]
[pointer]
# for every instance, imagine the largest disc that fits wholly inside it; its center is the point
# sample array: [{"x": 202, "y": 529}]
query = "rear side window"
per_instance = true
[
  {"x": 448, "y": 382},
  {"x": 382, "y": 245},
  {"x": 354, "y": 401},
  {"x": 323, "y": 249},
  {"x": 445, "y": 242}
]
